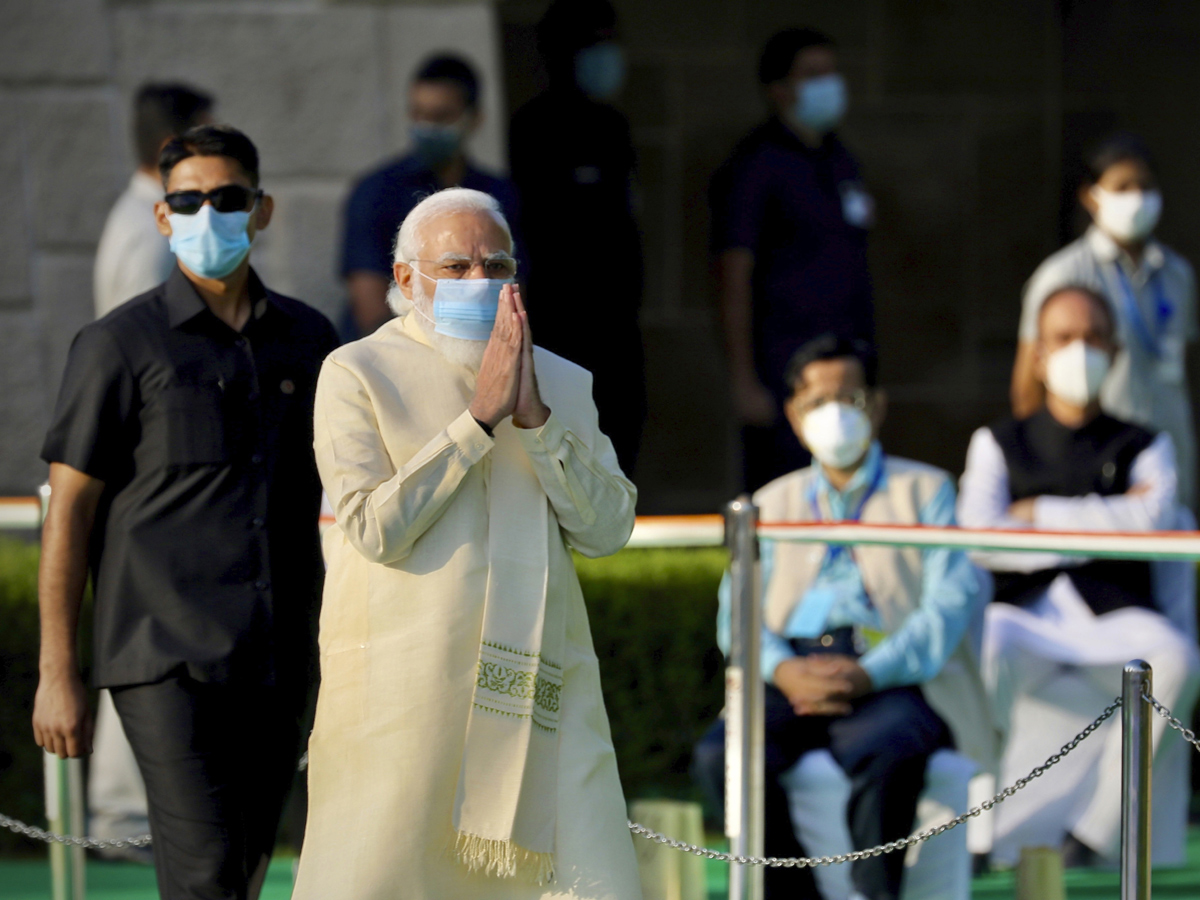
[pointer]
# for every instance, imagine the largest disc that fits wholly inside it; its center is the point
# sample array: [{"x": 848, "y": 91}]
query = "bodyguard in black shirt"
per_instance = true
[
  {"x": 183, "y": 478},
  {"x": 789, "y": 239}
]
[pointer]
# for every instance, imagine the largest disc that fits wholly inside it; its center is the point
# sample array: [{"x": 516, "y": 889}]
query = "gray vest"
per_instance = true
[{"x": 892, "y": 577}]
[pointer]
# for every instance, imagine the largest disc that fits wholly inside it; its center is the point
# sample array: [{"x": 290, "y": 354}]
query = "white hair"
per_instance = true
[{"x": 443, "y": 203}]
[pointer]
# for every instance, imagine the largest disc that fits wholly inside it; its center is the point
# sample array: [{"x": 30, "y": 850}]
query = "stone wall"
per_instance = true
[
  {"x": 321, "y": 88},
  {"x": 966, "y": 115}
]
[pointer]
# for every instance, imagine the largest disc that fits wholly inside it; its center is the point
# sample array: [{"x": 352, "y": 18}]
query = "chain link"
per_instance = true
[
  {"x": 808, "y": 862},
  {"x": 49, "y": 837},
  {"x": 1188, "y": 734}
]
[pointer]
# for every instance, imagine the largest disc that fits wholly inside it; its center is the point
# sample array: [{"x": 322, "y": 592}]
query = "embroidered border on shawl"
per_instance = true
[{"x": 518, "y": 684}]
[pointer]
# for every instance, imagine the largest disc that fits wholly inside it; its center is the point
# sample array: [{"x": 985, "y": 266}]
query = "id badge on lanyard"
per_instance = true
[{"x": 1167, "y": 350}]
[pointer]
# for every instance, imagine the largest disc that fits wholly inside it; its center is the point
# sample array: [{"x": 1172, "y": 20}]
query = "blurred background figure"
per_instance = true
[
  {"x": 132, "y": 256},
  {"x": 790, "y": 220},
  {"x": 1151, "y": 288},
  {"x": 1061, "y": 628},
  {"x": 866, "y": 654},
  {"x": 443, "y": 110},
  {"x": 571, "y": 150}
]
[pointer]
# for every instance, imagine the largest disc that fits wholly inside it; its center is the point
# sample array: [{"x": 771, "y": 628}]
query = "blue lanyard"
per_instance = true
[
  {"x": 1163, "y": 310},
  {"x": 834, "y": 550}
]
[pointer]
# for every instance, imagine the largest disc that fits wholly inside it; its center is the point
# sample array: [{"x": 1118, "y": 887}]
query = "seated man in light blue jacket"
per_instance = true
[{"x": 863, "y": 649}]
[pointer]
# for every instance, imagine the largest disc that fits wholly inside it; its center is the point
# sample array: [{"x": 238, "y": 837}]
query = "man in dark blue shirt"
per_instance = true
[
  {"x": 790, "y": 219},
  {"x": 572, "y": 156},
  {"x": 444, "y": 112}
]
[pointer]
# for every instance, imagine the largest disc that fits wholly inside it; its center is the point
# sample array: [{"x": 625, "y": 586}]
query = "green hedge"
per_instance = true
[
  {"x": 20, "y": 759},
  {"x": 653, "y": 615}
]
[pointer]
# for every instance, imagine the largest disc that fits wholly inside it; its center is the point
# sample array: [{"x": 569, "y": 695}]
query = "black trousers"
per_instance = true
[
  {"x": 218, "y": 761},
  {"x": 883, "y": 746}
]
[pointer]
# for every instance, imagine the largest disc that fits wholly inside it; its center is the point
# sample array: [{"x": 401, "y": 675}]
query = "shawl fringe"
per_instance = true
[{"x": 504, "y": 859}]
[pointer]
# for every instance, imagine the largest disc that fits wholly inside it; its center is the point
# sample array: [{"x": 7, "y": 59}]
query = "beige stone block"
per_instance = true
[
  {"x": 53, "y": 40},
  {"x": 298, "y": 254},
  {"x": 24, "y": 403},
  {"x": 669, "y": 874},
  {"x": 414, "y": 33},
  {"x": 303, "y": 83},
  {"x": 16, "y": 223},
  {"x": 74, "y": 174}
]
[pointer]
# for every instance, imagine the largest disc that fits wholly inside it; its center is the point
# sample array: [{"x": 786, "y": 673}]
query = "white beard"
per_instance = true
[{"x": 456, "y": 350}]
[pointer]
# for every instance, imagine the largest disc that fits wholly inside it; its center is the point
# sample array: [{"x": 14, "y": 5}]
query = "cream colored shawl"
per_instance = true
[{"x": 504, "y": 812}]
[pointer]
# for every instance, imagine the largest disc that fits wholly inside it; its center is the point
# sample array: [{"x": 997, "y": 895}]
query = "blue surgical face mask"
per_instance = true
[
  {"x": 821, "y": 103},
  {"x": 465, "y": 308},
  {"x": 435, "y": 144},
  {"x": 212, "y": 244},
  {"x": 600, "y": 70}
]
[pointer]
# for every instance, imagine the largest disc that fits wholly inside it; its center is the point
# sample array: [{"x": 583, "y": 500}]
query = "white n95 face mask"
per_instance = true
[
  {"x": 1075, "y": 372},
  {"x": 838, "y": 434},
  {"x": 1127, "y": 215}
]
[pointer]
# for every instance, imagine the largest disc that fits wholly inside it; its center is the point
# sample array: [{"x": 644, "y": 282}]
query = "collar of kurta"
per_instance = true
[{"x": 1105, "y": 248}]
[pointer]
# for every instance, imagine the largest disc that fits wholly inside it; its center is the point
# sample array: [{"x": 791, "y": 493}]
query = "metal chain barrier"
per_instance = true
[
  {"x": 808, "y": 862},
  {"x": 49, "y": 837},
  {"x": 40, "y": 834},
  {"x": 1188, "y": 734}
]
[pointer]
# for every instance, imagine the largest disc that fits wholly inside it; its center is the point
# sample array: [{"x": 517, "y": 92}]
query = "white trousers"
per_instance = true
[
  {"x": 116, "y": 794},
  {"x": 1024, "y": 648}
]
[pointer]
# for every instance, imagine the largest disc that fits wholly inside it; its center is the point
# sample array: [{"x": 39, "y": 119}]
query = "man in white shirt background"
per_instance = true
[
  {"x": 1070, "y": 467},
  {"x": 132, "y": 256}
]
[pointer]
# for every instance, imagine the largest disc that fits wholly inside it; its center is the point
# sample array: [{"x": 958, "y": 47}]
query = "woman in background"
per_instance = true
[{"x": 1152, "y": 291}]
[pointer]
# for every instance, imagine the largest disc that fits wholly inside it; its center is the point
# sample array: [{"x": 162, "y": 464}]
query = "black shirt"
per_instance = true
[
  {"x": 573, "y": 162},
  {"x": 803, "y": 213},
  {"x": 205, "y": 552},
  {"x": 382, "y": 199}
]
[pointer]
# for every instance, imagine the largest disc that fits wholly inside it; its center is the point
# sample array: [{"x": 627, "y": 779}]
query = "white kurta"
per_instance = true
[
  {"x": 1026, "y": 648},
  {"x": 406, "y": 468}
]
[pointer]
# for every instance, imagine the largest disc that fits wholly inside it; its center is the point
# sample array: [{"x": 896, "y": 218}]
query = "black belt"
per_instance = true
[{"x": 840, "y": 641}]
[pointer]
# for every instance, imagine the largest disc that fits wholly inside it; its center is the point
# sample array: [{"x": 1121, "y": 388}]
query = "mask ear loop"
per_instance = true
[{"x": 414, "y": 303}]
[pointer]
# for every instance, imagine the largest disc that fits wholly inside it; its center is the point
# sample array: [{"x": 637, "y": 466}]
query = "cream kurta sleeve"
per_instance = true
[
  {"x": 593, "y": 501},
  {"x": 383, "y": 510}
]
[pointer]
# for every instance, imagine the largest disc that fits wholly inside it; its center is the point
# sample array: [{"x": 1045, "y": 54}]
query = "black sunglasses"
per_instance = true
[{"x": 226, "y": 199}]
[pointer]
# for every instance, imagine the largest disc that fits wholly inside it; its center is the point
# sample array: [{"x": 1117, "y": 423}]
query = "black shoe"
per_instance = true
[{"x": 1078, "y": 855}]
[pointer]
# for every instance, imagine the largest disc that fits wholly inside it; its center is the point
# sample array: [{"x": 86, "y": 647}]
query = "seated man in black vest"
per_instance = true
[{"x": 1070, "y": 467}]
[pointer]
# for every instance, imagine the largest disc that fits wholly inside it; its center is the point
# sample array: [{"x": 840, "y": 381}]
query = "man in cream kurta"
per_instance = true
[{"x": 460, "y": 477}]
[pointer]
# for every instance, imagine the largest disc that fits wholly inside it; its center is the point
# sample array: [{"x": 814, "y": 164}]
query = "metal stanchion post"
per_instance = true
[
  {"x": 744, "y": 762},
  {"x": 65, "y": 815},
  {"x": 1135, "y": 781}
]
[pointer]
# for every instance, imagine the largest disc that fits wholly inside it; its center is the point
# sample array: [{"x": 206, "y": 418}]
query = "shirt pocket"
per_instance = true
[{"x": 192, "y": 422}]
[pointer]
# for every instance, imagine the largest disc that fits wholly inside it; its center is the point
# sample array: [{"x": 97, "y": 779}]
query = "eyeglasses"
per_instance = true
[
  {"x": 858, "y": 399},
  {"x": 500, "y": 267},
  {"x": 226, "y": 199}
]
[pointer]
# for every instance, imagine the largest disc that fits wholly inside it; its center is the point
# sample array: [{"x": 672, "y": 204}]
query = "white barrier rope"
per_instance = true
[{"x": 709, "y": 531}]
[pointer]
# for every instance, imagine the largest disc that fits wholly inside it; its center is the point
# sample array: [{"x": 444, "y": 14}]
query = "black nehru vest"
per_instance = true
[{"x": 1046, "y": 457}]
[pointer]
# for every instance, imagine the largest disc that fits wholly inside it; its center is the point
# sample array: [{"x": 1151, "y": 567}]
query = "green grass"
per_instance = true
[
  {"x": 29, "y": 879},
  {"x": 1081, "y": 884}
]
